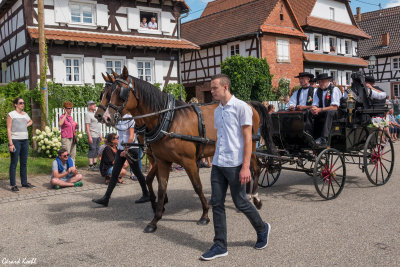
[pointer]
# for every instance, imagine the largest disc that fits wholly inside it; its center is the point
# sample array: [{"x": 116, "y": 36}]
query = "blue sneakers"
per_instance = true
[
  {"x": 262, "y": 238},
  {"x": 214, "y": 252}
]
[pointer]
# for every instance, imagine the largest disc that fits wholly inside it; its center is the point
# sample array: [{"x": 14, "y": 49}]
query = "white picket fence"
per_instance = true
[{"x": 78, "y": 113}]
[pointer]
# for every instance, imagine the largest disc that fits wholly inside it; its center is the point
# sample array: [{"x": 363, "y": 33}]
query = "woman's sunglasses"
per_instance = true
[
  {"x": 116, "y": 138},
  {"x": 21, "y": 103},
  {"x": 68, "y": 108}
]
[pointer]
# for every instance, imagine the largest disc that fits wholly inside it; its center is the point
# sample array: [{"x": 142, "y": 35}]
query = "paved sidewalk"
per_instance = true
[{"x": 91, "y": 181}]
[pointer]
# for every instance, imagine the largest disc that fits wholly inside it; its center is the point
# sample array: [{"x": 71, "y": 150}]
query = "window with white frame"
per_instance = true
[
  {"x": 332, "y": 44},
  {"x": 149, "y": 20},
  {"x": 396, "y": 63},
  {"x": 318, "y": 42},
  {"x": 318, "y": 71},
  {"x": 396, "y": 89},
  {"x": 331, "y": 13},
  {"x": 115, "y": 65},
  {"x": 145, "y": 70},
  {"x": 347, "y": 47},
  {"x": 82, "y": 13},
  {"x": 333, "y": 73},
  {"x": 73, "y": 70},
  {"x": 348, "y": 78},
  {"x": 235, "y": 50},
  {"x": 282, "y": 46}
]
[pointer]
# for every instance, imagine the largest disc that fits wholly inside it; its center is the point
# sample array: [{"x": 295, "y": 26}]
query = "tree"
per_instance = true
[{"x": 250, "y": 77}]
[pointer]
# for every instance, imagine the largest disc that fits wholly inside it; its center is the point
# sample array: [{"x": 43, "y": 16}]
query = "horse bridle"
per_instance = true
[
  {"x": 108, "y": 96},
  {"x": 124, "y": 95}
]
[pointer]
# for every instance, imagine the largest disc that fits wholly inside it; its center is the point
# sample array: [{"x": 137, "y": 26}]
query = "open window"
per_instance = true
[
  {"x": 149, "y": 20},
  {"x": 318, "y": 42},
  {"x": 332, "y": 45}
]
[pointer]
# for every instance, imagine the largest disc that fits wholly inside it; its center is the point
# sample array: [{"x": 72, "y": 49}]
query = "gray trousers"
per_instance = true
[{"x": 221, "y": 177}]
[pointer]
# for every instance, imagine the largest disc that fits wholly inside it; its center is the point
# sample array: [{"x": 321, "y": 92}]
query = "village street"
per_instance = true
[{"x": 64, "y": 228}]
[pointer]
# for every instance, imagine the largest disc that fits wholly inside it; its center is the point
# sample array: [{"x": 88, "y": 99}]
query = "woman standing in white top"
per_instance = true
[{"x": 17, "y": 131}]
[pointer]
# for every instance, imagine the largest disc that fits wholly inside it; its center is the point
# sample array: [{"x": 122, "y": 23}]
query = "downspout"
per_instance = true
[
  {"x": 259, "y": 45},
  {"x": 179, "y": 50}
]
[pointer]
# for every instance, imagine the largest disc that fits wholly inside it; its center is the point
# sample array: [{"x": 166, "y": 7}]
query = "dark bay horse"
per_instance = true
[{"x": 137, "y": 97}]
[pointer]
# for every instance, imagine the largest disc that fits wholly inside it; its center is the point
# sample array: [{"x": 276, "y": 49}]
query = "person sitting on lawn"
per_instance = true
[
  {"x": 108, "y": 158},
  {"x": 64, "y": 172}
]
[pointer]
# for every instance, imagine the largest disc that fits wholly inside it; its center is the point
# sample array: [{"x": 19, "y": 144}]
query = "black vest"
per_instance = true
[
  {"x": 310, "y": 94},
  {"x": 320, "y": 95}
]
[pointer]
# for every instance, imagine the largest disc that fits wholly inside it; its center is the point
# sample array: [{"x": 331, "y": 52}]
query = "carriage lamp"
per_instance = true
[{"x": 351, "y": 104}]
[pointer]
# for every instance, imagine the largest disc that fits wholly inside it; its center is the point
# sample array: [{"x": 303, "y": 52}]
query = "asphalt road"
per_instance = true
[{"x": 359, "y": 228}]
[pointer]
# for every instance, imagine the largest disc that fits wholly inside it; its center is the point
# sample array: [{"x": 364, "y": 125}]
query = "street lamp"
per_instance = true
[{"x": 371, "y": 64}]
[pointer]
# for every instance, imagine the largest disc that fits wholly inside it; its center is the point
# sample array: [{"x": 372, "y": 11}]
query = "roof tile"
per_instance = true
[
  {"x": 341, "y": 60},
  {"x": 336, "y": 27},
  {"x": 115, "y": 39}
]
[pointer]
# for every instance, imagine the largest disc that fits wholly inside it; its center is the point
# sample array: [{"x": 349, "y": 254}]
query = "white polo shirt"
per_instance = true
[
  {"x": 228, "y": 120},
  {"x": 335, "y": 97},
  {"x": 123, "y": 130},
  {"x": 302, "y": 99}
]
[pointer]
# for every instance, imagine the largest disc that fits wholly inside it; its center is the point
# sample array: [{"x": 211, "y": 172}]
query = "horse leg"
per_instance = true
[
  {"x": 149, "y": 181},
  {"x": 192, "y": 171},
  {"x": 256, "y": 174},
  {"x": 163, "y": 174}
]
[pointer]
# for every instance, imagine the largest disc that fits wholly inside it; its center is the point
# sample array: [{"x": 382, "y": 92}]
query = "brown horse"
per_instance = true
[{"x": 137, "y": 97}]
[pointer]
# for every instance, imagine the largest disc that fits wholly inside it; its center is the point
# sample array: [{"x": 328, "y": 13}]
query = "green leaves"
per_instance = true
[
  {"x": 250, "y": 77},
  {"x": 175, "y": 89}
]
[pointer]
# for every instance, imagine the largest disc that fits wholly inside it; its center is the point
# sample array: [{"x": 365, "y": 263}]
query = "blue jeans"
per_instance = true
[
  {"x": 21, "y": 150},
  {"x": 221, "y": 177}
]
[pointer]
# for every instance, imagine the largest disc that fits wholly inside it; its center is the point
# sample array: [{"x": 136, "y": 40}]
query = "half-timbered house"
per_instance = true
[
  {"x": 263, "y": 29},
  {"x": 384, "y": 28},
  {"x": 333, "y": 36},
  {"x": 87, "y": 37}
]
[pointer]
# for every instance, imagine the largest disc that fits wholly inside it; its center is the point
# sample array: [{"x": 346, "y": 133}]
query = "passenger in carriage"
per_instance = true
[
  {"x": 324, "y": 110},
  {"x": 313, "y": 82},
  {"x": 375, "y": 93},
  {"x": 302, "y": 98}
]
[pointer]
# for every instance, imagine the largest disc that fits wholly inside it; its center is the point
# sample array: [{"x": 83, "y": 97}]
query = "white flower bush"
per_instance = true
[{"x": 48, "y": 142}]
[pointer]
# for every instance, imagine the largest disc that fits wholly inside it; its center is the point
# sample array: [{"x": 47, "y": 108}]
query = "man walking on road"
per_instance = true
[
  {"x": 93, "y": 130},
  {"x": 231, "y": 166}
]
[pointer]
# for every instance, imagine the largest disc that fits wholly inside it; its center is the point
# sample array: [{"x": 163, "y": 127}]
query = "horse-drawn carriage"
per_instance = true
[{"x": 352, "y": 140}]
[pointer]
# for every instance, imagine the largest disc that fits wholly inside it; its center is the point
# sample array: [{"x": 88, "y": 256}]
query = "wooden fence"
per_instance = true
[{"x": 78, "y": 113}]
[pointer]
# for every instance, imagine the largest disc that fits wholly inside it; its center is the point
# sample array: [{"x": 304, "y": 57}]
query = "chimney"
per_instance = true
[
  {"x": 385, "y": 39},
  {"x": 358, "y": 14}
]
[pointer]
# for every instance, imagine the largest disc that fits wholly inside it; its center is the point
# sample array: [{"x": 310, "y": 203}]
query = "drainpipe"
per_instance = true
[
  {"x": 179, "y": 50},
  {"x": 259, "y": 44}
]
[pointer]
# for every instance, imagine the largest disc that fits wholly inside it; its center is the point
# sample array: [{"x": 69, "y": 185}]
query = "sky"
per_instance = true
[{"x": 197, "y": 6}]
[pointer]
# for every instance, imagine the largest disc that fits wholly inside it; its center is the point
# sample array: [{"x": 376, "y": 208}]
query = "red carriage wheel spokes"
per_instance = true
[
  {"x": 329, "y": 173},
  {"x": 378, "y": 157}
]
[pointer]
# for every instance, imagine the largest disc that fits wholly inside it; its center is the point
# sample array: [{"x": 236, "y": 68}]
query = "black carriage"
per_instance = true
[{"x": 352, "y": 141}]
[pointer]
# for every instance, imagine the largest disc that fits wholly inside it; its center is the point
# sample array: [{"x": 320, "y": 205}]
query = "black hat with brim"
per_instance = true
[
  {"x": 369, "y": 79},
  {"x": 313, "y": 80},
  {"x": 305, "y": 74},
  {"x": 323, "y": 76}
]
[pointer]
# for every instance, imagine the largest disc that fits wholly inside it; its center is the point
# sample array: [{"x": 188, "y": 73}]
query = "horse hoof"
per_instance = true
[
  {"x": 150, "y": 229},
  {"x": 257, "y": 203},
  {"x": 203, "y": 221}
]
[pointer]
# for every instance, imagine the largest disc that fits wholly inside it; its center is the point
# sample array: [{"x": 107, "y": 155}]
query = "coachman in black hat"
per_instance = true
[
  {"x": 324, "y": 109},
  {"x": 302, "y": 98},
  {"x": 376, "y": 94}
]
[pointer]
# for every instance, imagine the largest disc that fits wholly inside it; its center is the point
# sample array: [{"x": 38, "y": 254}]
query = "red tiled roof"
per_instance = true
[
  {"x": 302, "y": 9},
  {"x": 282, "y": 30},
  {"x": 221, "y": 5},
  {"x": 336, "y": 27},
  {"x": 342, "y": 60},
  {"x": 115, "y": 39}
]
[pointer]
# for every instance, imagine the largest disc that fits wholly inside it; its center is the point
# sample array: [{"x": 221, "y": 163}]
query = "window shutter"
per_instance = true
[
  {"x": 133, "y": 18},
  {"x": 344, "y": 78},
  {"x": 343, "y": 46},
  {"x": 325, "y": 45},
  {"x": 99, "y": 67},
  {"x": 132, "y": 67},
  {"x": 166, "y": 25},
  {"x": 88, "y": 70},
  {"x": 311, "y": 45},
  {"x": 61, "y": 11},
  {"x": 102, "y": 15},
  {"x": 354, "y": 48},
  {"x": 59, "y": 71},
  {"x": 158, "y": 72},
  {"x": 286, "y": 50}
]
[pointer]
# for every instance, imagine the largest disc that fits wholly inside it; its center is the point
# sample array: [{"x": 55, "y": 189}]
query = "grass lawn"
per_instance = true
[{"x": 37, "y": 166}]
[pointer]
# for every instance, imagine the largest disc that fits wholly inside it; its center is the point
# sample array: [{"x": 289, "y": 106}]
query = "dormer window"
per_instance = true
[
  {"x": 82, "y": 13},
  {"x": 149, "y": 20},
  {"x": 331, "y": 13}
]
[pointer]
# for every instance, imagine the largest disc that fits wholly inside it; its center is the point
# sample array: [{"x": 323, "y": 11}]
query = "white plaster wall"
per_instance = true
[
  {"x": 385, "y": 86},
  {"x": 123, "y": 23},
  {"x": 49, "y": 17},
  {"x": 321, "y": 10},
  {"x": 16, "y": 5},
  {"x": 20, "y": 39}
]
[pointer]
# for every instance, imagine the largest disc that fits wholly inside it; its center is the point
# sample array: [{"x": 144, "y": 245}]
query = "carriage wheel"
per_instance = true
[
  {"x": 329, "y": 173},
  {"x": 268, "y": 176},
  {"x": 378, "y": 158}
]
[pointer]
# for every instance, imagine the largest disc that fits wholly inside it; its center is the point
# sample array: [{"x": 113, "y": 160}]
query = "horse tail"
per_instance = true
[{"x": 266, "y": 125}]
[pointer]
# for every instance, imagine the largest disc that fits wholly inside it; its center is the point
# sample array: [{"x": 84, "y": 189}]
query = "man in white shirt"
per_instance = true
[
  {"x": 93, "y": 130},
  {"x": 326, "y": 102},
  {"x": 231, "y": 166},
  {"x": 302, "y": 99},
  {"x": 152, "y": 24},
  {"x": 375, "y": 93}
]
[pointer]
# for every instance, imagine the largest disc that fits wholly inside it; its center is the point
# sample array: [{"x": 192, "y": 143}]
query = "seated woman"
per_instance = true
[
  {"x": 64, "y": 172},
  {"x": 108, "y": 157}
]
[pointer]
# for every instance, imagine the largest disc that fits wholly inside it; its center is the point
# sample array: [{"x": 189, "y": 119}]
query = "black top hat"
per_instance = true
[
  {"x": 323, "y": 76},
  {"x": 313, "y": 80},
  {"x": 369, "y": 79},
  {"x": 305, "y": 74}
]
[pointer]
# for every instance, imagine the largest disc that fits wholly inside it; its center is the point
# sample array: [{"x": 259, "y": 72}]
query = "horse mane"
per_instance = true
[{"x": 151, "y": 96}]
